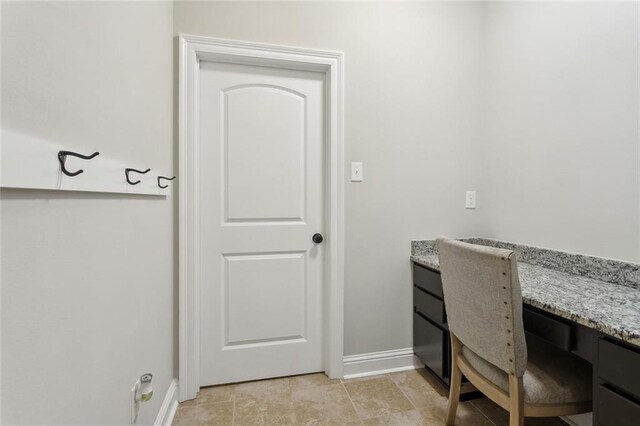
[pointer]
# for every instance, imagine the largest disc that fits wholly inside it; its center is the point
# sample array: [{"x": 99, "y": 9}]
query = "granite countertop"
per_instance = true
[{"x": 609, "y": 307}]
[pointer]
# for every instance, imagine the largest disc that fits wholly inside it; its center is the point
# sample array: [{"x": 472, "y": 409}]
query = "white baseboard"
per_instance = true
[
  {"x": 169, "y": 405},
  {"x": 380, "y": 363}
]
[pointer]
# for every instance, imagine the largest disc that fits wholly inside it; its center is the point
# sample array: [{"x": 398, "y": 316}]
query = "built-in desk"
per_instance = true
[{"x": 595, "y": 319}]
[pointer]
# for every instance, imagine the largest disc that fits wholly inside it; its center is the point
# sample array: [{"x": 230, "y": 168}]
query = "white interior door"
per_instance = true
[{"x": 261, "y": 201}]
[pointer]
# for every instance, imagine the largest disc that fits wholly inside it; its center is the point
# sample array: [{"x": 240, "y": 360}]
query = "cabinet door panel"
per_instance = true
[
  {"x": 620, "y": 366},
  {"x": 429, "y": 306},
  {"x": 427, "y": 280},
  {"x": 616, "y": 410},
  {"x": 431, "y": 345}
]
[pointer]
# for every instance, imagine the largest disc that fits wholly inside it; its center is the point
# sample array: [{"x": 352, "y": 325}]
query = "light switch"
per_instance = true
[
  {"x": 356, "y": 172},
  {"x": 470, "y": 200}
]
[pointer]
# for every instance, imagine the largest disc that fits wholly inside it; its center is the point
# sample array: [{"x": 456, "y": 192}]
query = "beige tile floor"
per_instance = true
[{"x": 406, "y": 398}]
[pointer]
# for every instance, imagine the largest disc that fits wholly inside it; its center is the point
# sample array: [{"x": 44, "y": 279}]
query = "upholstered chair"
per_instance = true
[{"x": 484, "y": 312}]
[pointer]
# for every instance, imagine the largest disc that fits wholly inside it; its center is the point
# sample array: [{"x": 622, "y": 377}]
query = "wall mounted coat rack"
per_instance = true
[
  {"x": 127, "y": 171},
  {"x": 164, "y": 178},
  {"x": 35, "y": 163},
  {"x": 62, "y": 158}
]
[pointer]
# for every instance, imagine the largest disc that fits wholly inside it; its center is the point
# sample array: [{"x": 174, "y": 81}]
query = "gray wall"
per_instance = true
[
  {"x": 411, "y": 115},
  {"x": 87, "y": 279},
  {"x": 562, "y": 150}
]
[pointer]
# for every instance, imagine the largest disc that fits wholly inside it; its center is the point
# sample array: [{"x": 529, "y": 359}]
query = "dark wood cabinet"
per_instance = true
[
  {"x": 616, "y": 397},
  {"x": 428, "y": 280},
  {"x": 429, "y": 306},
  {"x": 430, "y": 332},
  {"x": 431, "y": 345},
  {"x": 614, "y": 409},
  {"x": 616, "y": 364}
]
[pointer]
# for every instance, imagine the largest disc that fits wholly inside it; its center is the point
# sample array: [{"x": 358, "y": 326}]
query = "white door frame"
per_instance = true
[{"x": 194, "y": 49}]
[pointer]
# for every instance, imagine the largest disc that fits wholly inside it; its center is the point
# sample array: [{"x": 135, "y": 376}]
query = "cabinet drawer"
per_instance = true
[
  {"x": 553, "y": 331},
  {"x": 427, "y": 280},
  {"x": 616, "y": 410},
  {"x": 429, "y": 305},
  {"x": 431, "y": 345},
  {"x": 620, "y": 366}
]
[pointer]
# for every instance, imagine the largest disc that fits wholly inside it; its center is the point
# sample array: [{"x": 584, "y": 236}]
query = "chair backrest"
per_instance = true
[{"x": 484, "y": 302}]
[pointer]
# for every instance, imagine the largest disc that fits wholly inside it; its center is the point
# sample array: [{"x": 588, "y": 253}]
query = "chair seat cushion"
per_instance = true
[{"x": 553, "y": 376}]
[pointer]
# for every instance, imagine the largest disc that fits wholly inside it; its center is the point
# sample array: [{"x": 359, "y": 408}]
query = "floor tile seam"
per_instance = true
[
  {"x": 353, "y": 404},
  {"x": 482, "y": 412},
  {"x": 418, "y": 409},
  {"x": 315, "y": 387},
  {"x": 367, "y": 378},
  {"x": 291, "y": 401},
  {"x": 327, "y": 386},
  {"x": 405, "y": 395},
  {"x": 233, "y": 415},
  {"x": 386, "y": 376},
  {"x": 213, "y": 402}
]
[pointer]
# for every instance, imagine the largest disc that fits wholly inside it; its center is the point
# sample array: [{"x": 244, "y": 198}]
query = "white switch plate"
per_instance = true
[
  {"x": 470, "y": 200},
  {"x": 356, "y": 171}
]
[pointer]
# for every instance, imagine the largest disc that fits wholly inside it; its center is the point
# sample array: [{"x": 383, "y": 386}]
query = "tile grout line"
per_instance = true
[
  {"x": 294, "y": 412},
  {"x": 352, "y": 403},
  {"x": 420, "y": 413},
  {"x": 388, "y": 377},
  {"x": 411, "y": 402},
  {"x": 405, "y": 395},
  {"x": 233, "y": 414},
  {"x": 482, "y": 412}
]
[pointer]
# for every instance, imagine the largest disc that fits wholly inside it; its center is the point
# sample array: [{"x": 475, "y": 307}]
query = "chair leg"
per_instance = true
[
  {"x": 456, "y": 379},
  {"x": 516, "y": 401}
]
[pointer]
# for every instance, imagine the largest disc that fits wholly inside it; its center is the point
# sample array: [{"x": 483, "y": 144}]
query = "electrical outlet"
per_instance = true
[
  {"x": 470, "y": 200},
  {"x": 135, "y": 404}
]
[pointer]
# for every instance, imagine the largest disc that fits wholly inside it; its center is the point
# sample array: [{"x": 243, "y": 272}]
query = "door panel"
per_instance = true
[
  {"x": 261, "y": 200},
  {"x": 265, "y": 301},
  {"x": 262, "y": 124}
]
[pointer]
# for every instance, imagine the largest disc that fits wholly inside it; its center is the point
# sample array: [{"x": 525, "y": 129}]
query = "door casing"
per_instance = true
[{"x": 194, "y": 49}]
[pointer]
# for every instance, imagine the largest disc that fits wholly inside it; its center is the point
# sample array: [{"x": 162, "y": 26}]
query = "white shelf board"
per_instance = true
[{"x": 32, "y": 163}]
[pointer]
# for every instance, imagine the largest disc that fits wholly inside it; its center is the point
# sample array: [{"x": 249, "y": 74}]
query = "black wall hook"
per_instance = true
[
  {"x": 165, "y": 178},
  {"x": 62, "y": 157},
  {"x": 126, "y": 172}
]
